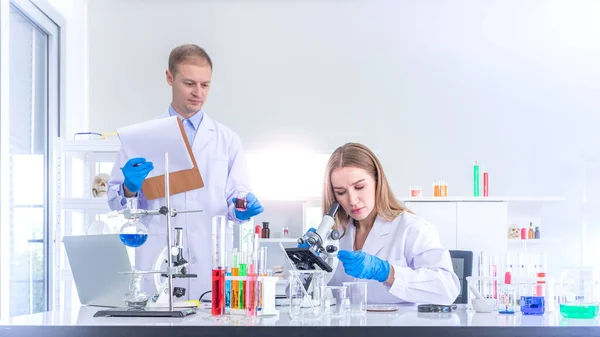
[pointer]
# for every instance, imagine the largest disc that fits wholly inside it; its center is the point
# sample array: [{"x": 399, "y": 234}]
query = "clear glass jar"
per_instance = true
[
  {"x": 307, "y": 293},
  {"x": 133, "y": 233}
]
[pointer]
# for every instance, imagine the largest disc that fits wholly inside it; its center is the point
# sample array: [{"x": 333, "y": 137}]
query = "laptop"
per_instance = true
[{"x": 96, "y": 263}]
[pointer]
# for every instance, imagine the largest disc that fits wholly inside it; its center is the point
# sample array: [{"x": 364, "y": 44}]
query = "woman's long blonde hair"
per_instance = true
[{"x": 360, "y": 156}]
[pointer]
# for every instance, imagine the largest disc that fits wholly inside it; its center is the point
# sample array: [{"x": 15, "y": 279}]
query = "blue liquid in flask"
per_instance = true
[{"x": 133, "y": 240}]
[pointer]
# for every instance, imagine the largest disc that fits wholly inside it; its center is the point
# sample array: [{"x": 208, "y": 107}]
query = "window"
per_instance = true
[{"x": 28, "y": 125}]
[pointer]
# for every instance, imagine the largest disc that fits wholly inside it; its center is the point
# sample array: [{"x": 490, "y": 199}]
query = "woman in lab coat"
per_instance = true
[{"x": 397, "y": 252}]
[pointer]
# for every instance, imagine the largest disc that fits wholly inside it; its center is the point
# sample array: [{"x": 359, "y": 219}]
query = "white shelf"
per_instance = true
[
  {"x": 108, "y": 145},
  {"x": 515, "y": 242},
  {"x": 278, "y": 240},
  {"x": 484, "y": 199},
  {"x": 84, "y": 203}
]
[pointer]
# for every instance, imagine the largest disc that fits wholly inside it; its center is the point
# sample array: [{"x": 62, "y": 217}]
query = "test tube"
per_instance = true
[
  {"x": 218, "y": 265},
  {"x": 242, "y": 271},
  {"x": 251, "y": 283},
  {"x": 228, "y": 289},
  {"x": 235, "y": 285},
  {"x": 262, "y": 271}
]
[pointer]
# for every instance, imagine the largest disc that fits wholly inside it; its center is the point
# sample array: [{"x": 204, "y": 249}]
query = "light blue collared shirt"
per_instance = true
[{"x": 191, "y": 124}]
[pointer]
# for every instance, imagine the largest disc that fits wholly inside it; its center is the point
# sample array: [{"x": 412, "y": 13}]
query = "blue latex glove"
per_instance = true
[
  {"x": 362, "y": 265},
  {"x": 135, "y": 171},
  {"x": 253, "y": 208},
  {"x": 305, "y": 245}
]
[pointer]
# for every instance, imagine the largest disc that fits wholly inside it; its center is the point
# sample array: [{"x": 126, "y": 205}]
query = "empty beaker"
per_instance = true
[
  {"x": 335, "y": 300},
  {"x": 307, "y": 289},
  {"x": 356, "y": 297}
]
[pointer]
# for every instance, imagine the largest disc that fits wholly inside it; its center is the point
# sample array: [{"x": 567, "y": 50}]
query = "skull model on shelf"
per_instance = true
[{"x": 99, "y": 185}]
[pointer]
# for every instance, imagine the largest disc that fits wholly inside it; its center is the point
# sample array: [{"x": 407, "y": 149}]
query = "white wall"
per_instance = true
[
  {"x": 429, "y": 85},
  {"x": 76, "y": 104}
]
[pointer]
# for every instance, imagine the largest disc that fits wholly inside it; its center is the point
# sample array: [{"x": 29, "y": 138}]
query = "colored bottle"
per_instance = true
[
  {"x": 537, "y": 233},
  {"x": 531, "y": 233},
  {"x": 475, "y": 179},
  {"x": 257, "y": 230},
  {"x": 266, "y": 232},
  {"x": 523, "y": 233}
]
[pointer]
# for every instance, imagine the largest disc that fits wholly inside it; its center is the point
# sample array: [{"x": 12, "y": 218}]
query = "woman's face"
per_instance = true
[{"x": 354, "y": 189}]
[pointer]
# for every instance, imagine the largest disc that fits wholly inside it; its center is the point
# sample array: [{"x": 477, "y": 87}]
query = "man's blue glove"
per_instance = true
[
  {"x": 362, "y": 265},
  {"x": 135, "y": 171},
  {"x": 305, "y": 245},
  {"x": 253, "y": 208}
]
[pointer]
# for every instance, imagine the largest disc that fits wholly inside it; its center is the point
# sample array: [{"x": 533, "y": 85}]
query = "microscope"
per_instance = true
[
  {"x": 321, "y": 250},
  {"x": 180, "y": 265}
]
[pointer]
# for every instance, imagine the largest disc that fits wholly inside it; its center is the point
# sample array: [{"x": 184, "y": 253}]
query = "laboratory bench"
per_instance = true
[{"x": 80, "y": 321}]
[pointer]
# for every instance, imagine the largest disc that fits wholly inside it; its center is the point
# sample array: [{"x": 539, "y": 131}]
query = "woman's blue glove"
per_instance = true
[
  {"x": 306, "y": 245},
  {"x": 135, "y": 171},
  {"x": 362, "y": 265},
  {"x": 253, "y": 208}
]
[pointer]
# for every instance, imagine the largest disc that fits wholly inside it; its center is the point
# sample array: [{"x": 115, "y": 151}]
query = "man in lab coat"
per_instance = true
[{"x": 220, "y": 159}]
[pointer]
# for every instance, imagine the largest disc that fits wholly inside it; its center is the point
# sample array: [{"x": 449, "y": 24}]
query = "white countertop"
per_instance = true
[{"x": 406, "y": 316}]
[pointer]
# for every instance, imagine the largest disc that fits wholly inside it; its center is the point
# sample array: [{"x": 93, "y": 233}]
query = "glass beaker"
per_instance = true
[
  {"x": 133, "y": 233},
  {"x": 135, "y": 298},
  {"x": 507, "y": 299},
  {"x": 580, "y": 295},
  {"x": 356, "y": 297},
  {"x": 307, "y": 289},
  {"x": 335, "y": 300}
]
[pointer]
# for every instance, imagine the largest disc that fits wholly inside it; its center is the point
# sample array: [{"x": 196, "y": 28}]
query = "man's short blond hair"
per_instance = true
[{"x": 187, "y": 53}]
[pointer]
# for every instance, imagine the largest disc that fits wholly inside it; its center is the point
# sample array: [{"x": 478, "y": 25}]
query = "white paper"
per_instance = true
[{"x": 152, "y": 139}]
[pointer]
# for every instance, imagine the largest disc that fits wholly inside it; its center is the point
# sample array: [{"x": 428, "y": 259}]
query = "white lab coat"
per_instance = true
[
  {"x": 219, "y": 155},
  {"x": 423, "y": 268}
]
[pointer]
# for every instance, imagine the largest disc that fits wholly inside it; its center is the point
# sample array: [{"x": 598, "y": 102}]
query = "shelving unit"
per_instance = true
[
  {"x": 84, "y": 203},
  {"x": 524, "y": 199},
  {"x": 78, "y": 161},
  {"x": 277, "y": 240},
  {"x": 532, "y": 242}
]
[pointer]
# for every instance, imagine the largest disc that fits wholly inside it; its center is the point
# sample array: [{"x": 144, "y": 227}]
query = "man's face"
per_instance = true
[{"x": 190, "y": 84}]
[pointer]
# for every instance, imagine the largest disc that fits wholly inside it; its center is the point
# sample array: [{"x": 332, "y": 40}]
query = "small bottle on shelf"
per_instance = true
[{"x": 266, "y": 232}]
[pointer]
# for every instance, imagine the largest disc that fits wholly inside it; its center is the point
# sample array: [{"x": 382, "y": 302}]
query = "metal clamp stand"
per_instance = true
[{"x": 169, "y": 212}]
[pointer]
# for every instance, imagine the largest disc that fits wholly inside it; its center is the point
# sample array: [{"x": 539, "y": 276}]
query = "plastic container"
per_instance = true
[{"x": 579, "y": 294}]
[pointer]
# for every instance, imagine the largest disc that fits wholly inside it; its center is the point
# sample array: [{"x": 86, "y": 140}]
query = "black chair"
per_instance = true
[{"x": 462, "y": 263}]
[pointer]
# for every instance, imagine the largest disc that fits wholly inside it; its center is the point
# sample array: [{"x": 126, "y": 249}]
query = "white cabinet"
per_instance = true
[
  {"x": 442, "y": 215},
  {"x": 482, "y": 226},
  {"x": 473, "y": 226}
]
